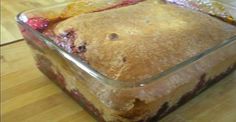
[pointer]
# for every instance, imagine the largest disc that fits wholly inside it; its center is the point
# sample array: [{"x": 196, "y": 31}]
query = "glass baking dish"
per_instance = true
[{"x": 112, "y": 100}]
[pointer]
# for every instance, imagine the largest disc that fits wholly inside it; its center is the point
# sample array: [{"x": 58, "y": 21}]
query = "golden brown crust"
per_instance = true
[{"x": 136, "y": 42}]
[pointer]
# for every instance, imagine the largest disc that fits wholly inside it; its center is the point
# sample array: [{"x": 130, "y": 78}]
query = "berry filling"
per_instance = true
[
  {"x": 38, "y": 23},
  {"x": 66, "y": 41}
]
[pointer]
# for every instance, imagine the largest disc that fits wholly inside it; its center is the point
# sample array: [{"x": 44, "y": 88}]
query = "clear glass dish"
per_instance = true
[{"x": 112, "y": 100}]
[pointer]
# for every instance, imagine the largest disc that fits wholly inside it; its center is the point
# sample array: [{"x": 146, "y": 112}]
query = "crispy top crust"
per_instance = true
[{"x": 139, "y": 41}]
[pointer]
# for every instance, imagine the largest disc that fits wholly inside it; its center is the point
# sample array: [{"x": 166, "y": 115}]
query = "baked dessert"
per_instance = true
[{"x": 133, "y": 44}]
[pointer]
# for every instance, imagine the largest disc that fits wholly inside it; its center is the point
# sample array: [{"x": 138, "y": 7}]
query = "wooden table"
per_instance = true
[
  {"x": 28, "y": 96},
  {"x": 9, "y": 10}
]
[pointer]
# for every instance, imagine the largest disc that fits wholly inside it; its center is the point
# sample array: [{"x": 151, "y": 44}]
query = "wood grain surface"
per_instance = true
[
  {"x": 9, "y": 10},
  {"x": 28, "y": 96}
]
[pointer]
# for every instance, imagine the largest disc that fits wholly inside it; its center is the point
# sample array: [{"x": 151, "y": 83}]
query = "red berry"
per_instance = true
[{"x": 38, "y": 23}]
